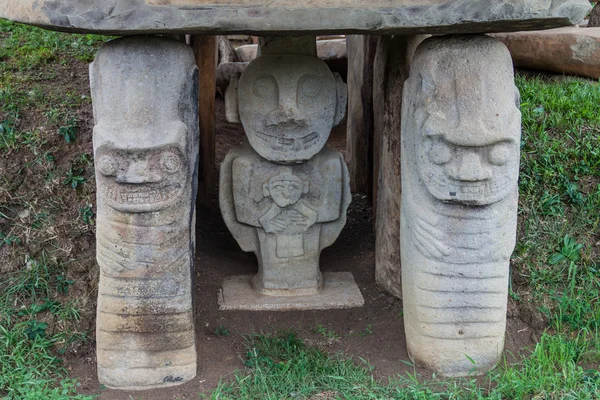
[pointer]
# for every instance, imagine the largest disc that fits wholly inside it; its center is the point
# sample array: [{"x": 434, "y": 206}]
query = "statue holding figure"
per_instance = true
[{"x": 283, "y": 193}]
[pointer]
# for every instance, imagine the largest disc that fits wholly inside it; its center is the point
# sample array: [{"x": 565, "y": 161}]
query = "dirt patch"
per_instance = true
[{"x": 374, "y": 332}]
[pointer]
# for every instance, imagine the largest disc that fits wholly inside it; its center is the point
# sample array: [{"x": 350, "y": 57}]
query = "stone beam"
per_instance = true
[{"x": 128, "y": 17}]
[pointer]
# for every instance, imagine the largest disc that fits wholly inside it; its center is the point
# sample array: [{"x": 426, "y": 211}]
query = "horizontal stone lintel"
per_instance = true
[{"x": 261, "y": 17}]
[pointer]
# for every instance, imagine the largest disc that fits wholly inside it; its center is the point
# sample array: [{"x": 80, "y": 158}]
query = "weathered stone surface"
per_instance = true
[
  {"x": 247, "y": 52},
  {"x": 339, "y": 292},
  {"x": 283, "y": 195},
  {"x": 226, "y": 72},
  {"x": 145, "y": 99},
  {"x": 227, "y": 53},
  {"x": 288, "y": 100},
  {"x": 285, "y": 214},
  {"x": 359, "y": 132},
  {"x": 330, "y": 49},
  {"x": 572, "y": 50},
  {"x": 390, "y": 70},
  {"x": 461, "y": 129},
  {"x": 124, "y": 17}
]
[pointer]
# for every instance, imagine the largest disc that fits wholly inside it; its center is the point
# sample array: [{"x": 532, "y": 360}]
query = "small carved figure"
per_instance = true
[
  {"x": 283, "y": 194},
  {"x": 460, "y": 164},
  {"x": 145, "y": 150},
  {"x": 288, "y": 218}
]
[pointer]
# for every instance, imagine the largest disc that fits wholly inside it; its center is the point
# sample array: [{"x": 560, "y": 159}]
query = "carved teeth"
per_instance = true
[
  {"x": 153, "y": 196},
  {"x": 288, "y": 142}
]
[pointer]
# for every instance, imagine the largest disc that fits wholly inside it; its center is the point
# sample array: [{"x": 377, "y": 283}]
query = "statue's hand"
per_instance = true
[
  {"x": 298, "y": 218},
  {"x": 276, "y": 225}
]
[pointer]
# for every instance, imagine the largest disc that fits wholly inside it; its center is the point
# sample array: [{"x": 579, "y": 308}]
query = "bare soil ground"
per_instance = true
[{"x": 374, "y": 333}]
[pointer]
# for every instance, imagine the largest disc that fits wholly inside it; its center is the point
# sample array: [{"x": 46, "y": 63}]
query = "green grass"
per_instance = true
[
  {"x": 560, "y": 200},
  {"x": 281, "y": 366},
  {"x": 40, "y": 217},
  {"x": 37, "y": 324}
]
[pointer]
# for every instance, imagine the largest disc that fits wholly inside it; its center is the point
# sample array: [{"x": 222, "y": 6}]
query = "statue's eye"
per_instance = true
[
  {"x": 170, "y": 162},
  {"x": 310, "y": 86},
  {"x": 499, "y": 154},
  {"x": 265, "y": 87},
  {"x": 107, "y": 165},
  {"x": 440, "y": 153}
]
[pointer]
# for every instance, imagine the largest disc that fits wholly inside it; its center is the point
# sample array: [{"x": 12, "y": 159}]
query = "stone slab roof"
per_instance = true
[{"x": 127, "y": 17}]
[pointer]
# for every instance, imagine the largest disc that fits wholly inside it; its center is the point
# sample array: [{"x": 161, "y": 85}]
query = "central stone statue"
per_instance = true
[{"x": 283, "y": 193}]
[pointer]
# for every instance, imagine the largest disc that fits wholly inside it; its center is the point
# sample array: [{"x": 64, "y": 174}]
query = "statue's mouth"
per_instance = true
[
  {"x": 139, "y": 198},
  {"x": 482, "y": 192},
  {"x": 276, "y": 140}
]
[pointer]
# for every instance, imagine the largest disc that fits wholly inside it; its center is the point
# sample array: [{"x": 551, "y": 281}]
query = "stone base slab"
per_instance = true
[{"x": 339, "y": 292}]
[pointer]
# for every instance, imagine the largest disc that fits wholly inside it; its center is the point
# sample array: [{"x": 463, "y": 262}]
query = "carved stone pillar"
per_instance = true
[
  {"x": 461, "y": 129},
  {"x": 144, "y": 92}
]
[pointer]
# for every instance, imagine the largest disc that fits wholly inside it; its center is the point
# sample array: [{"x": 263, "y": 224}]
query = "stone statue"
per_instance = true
[
  {"x": 460, "y": 164},
  {"x": 145, "y": 150},
  {"x": 283, "y": 193}
]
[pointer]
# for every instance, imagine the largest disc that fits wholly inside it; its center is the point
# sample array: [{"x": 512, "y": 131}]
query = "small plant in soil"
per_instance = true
[
  {"x": 327, "y": 333},
  {"x": 221, "y": 331},
  {"x": 87, "y": 214},
  {"x": 74, "y": 177}
]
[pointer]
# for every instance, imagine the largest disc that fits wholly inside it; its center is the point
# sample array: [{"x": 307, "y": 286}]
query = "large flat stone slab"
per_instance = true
[
  {"x": 571, "y": 50},
  {"x": 339, "y": 292},
  {"x": 126, "y": 17}
]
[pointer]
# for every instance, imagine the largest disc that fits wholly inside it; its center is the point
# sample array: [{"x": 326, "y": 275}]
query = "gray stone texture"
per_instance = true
[
  {"x": 571, "y": 50},
  {"x": 329, "y": 49},
  {"x": 283, "y": 194},
  {"x": 289, "y": 111},
  {"x": 461, "y": 129},
  {"x": 339, "y": 292},
  {"x": 144, "y": 93},
  {"x": 125, "y": 17},
  {"x": 390, "y": 70},
  {"x": 285, "y": 214}
]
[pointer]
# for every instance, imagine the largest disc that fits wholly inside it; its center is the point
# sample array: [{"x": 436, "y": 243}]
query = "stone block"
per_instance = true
[
  {"x": 571, "y": 51},
  {"x": 216, "y": 17},
  {"x": 339, "y": 292},
  {"x": 328, "y": 49},
  {"x": 461, "y": 128},
  {"x": 145, "y": 99}
]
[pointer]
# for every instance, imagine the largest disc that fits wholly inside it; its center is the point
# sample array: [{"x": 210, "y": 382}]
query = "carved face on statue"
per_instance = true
[
  {"x": 288, "y": 104},
  {"x": 469, "y": 123},
  {"x": 141, "y": 179},
  {"x": 285, "y": 189},
  {"x": 479, "y": 171}
]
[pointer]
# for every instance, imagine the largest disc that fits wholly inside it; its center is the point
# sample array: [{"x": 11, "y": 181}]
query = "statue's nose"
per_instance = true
[
  {"x": 289, "y": 118},
  {"x": 138, "y": 172},
  {"x": 470, "y": 168}
]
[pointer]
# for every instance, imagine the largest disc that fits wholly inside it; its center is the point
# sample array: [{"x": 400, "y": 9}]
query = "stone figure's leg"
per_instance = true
[
  {"x": 144, "y": 92},
  {"x": 460, "y": 163},
  {"x": 390, "y": 70}
]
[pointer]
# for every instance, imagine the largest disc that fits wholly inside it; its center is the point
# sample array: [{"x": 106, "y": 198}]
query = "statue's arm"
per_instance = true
[{"x": 244, "y": 234}]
